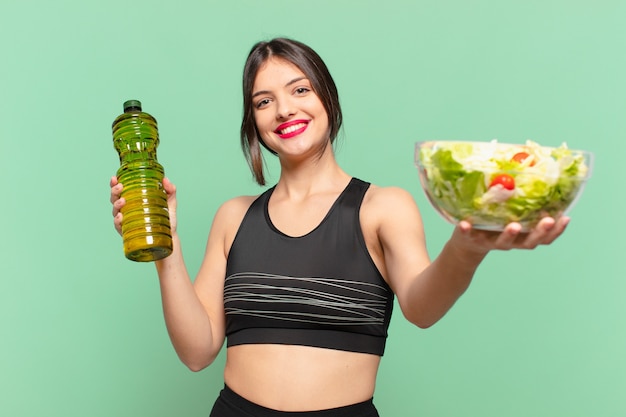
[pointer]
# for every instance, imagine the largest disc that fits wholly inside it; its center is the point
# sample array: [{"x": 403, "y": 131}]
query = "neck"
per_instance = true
[{"x": 318, "y": 174}]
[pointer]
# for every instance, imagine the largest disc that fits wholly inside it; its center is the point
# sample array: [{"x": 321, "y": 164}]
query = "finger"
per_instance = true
[
  {"x": 113, "y": 181},
  {"x": 478, "y": 238},
  {"x": 539, "y": 233},
  {"x": 116, "y": 192},
  {"x": 465, "y": 226},
  {"x": 117, "y": 206},
  {"x": 557, "y": 230},
  {"x": 507, "y": 239},
  {"x": 169, "y": 186},
  {"x": 117, "y": 222}
]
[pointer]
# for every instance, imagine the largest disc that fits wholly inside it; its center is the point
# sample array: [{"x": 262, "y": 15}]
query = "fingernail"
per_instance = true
[{"x": 515, "y": 228}]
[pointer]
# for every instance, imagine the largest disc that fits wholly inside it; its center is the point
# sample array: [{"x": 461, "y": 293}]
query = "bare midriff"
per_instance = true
[{"x": 300, "y": 378}]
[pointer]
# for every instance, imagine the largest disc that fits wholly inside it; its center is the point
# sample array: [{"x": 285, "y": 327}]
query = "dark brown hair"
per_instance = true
[{"x": 310, "y": 63}]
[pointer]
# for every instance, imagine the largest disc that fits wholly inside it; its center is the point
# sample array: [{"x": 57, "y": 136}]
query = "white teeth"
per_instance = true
[{"x": 292, "y": 128}]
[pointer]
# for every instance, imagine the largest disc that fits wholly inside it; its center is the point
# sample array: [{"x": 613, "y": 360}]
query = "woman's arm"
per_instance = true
[
  {"x": 195, "y": 327},
  {"x": 427, "y": 290},
  {"x": 193, "y": 311}
]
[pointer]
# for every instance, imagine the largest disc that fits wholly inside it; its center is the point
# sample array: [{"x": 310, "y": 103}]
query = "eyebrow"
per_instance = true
[{"x": 295, "y": 80}]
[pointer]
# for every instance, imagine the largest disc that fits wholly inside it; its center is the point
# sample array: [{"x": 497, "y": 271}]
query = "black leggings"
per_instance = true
[{"x": 231, "y": 404}]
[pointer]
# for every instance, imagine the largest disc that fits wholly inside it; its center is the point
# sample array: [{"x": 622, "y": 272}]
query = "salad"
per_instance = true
[{"x": 491, "y": 184}]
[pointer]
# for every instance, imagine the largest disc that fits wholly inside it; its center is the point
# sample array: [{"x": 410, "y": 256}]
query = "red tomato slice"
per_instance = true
[
  {"x": 520, "y": 157},
  {"x": 505, "y": 180}
]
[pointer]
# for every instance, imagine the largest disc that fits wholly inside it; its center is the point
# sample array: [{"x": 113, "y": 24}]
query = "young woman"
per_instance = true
[{"x": 301, "y": 280}]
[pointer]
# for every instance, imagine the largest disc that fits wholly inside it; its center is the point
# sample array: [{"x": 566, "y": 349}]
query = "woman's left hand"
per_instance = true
[{"x": 512, "y": 237}]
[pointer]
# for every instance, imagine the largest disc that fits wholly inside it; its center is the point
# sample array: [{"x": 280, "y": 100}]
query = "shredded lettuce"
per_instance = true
[{"x": 457, "y": 179}]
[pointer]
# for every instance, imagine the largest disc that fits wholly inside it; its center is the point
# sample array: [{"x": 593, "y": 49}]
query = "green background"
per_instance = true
[{"x": 539, "y": 333}]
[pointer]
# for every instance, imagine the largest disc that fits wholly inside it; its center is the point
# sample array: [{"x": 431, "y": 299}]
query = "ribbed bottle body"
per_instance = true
[{"x": 146, "y": 231}]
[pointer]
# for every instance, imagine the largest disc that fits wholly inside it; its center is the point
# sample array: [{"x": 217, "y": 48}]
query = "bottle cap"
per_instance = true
[{"x": 131, "y": 105}]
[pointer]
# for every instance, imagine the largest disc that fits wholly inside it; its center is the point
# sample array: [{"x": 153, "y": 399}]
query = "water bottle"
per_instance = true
[{"x": 145, "y": 224}]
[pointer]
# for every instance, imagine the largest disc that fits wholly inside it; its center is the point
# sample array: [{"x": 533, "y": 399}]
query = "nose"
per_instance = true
[{"x": 285, "y": 109}]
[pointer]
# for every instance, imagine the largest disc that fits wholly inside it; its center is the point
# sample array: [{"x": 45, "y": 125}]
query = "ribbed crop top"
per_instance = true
[{"x": 321, "y": 289}]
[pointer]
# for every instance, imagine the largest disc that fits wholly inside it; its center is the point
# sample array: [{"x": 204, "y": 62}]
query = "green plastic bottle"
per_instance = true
[{"x": 146, "y": 228}]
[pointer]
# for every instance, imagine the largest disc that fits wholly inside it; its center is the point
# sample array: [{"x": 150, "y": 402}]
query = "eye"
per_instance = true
[
  {"x": 262, "y": 103},
  {"x": 302, "y": 90}
]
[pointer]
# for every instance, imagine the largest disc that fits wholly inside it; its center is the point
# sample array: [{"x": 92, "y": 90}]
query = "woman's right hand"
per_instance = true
[
  {"x": 118, "y": 202},
  {"x": 170, "y": 189}
]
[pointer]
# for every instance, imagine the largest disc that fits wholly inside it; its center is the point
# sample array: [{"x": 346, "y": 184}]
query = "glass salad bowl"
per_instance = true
[{"x": 491, "y": 184}]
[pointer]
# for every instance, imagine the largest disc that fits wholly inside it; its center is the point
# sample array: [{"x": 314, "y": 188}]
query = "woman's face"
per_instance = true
[{"x": 290, "y": 117}]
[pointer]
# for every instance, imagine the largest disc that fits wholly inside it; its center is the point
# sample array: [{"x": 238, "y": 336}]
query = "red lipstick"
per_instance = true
[{"x": 292, "y": 128}]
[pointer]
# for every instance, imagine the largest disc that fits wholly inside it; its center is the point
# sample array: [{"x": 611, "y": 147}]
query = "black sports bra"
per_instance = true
[{"x": 321, "y": 289}]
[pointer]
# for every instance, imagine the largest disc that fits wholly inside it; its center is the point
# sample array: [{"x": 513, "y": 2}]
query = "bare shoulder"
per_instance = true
[
  {"x": 391, "y": 211},
  {"x": 388, "y": 200},
  {"x": 237, "y": 204},
  {"x": 394, "y": 232},
  {"x": 226, "y": 224},
  {"x": 232, "y": 211}
]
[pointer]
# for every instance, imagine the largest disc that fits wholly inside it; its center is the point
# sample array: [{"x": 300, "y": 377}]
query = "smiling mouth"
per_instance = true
[{"x": 291, "y": 130}]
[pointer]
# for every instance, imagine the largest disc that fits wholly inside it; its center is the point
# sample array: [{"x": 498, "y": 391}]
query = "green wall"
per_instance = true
[{"x": 539, "y": 333}]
